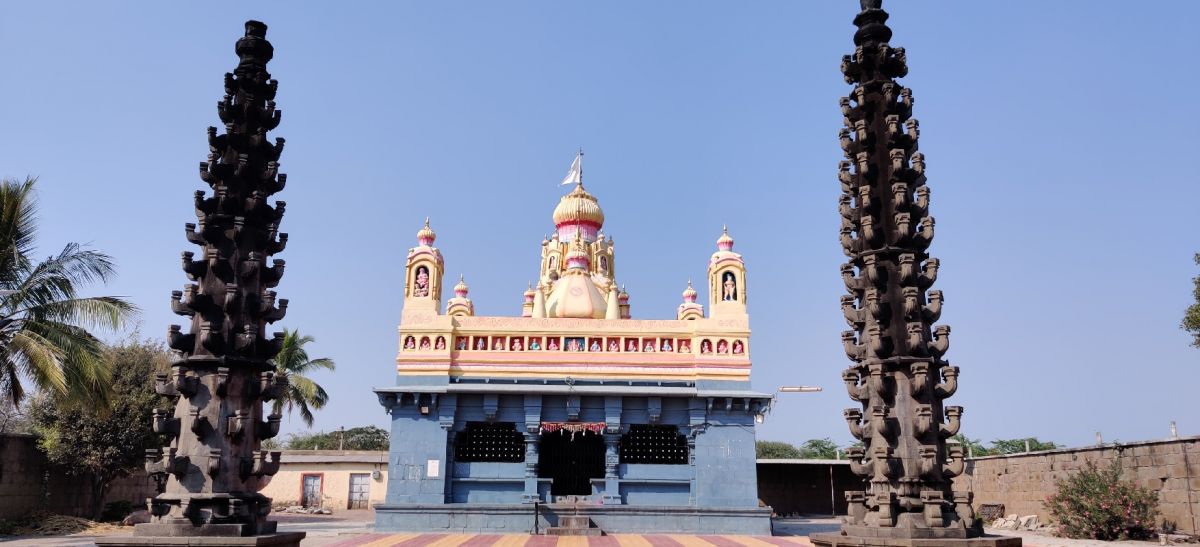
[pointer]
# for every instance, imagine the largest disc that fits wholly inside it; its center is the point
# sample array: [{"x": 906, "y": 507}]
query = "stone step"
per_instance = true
[
  {"x": 560, "y": 531},
  {"x": 574, "y": 521}
]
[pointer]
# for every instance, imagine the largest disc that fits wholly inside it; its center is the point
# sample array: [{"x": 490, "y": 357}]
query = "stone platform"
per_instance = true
[
  {"x": 839, "y": 540},
  {"x": 284, "y": 539},
  {"x": 612, "y": 519}
]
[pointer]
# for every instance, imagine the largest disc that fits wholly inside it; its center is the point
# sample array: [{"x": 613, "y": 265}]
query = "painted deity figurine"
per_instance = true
[
  {"x": 498, "y": 344},
  {"x": 613, "y": 345},
  {"x": 552, "y": 345},
  {"x": 595, "y": 346},
  {"x": 440, "y": 344},
  {"x": 728, "y": 287},
  {"x": 705, "y": 347},
  {"x": 685, "y": 347},
  {"x": 461, "y": 344},
  {"x": 649, "y": 346},
  {"x": 666, "y": 345},
  {"x": 738, "y": 348},
  {"x": 535, "y": 344},
  {"x": 425, "y": 344},
  {"x": 480, "y": 344},
  {"x": 422, "y": 282},
  {"x": 516, "y": 345},
  {"x": 631, "y": 346},
  {"x": 410, "y": 343},
  {"x": 722, "y": 347}
]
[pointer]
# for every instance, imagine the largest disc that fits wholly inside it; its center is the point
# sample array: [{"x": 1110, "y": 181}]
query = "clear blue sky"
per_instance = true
[{"x": 1060, "y": 139}]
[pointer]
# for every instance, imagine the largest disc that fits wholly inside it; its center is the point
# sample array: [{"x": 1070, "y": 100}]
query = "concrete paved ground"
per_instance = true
[{"x": 356, "y": 529}]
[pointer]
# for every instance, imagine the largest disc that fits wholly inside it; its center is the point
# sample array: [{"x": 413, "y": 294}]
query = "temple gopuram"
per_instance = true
[{"x": 573, "y": 415}]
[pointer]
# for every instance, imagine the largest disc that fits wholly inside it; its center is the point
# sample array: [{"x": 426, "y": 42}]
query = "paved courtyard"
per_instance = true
[{"x": 356, "y": 529}]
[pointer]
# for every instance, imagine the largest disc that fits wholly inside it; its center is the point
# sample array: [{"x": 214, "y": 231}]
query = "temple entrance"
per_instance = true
[{"x": 572, "y": 460}]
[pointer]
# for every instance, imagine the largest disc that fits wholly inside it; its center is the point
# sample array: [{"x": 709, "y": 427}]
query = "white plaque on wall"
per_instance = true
[{"x": 433, "y": 469}]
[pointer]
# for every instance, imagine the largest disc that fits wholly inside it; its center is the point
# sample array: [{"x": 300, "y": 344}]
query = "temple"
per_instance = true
[{"x": 573, "y": 413}]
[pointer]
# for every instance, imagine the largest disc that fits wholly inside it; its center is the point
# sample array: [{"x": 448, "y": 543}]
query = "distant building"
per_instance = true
[
  {"x": 331, "y": 479},
  {"x": 641, "y": 425}
]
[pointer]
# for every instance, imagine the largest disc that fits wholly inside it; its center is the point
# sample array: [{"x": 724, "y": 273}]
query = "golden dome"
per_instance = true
[
  {"x": 689, "y": 294},
  {"x": 426, "y": 233},
  {"x": 578, "y": 206}
]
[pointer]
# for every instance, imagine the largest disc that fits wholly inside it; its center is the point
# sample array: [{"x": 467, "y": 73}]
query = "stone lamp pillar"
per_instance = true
[
  {"x": 899, "y": 374},
  {"x": 221, "y": 376}
]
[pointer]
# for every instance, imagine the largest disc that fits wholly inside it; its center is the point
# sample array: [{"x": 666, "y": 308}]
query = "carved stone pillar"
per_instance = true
[
  {"x": 612, "y": 460},
  {"x": 532, "y": 443}
]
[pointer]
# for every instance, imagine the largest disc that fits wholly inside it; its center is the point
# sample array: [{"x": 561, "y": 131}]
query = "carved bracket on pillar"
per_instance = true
[
  {"x": 920, "y": 381},
  {"x": 573, "y": 406},
  {"x": 237, "y": 424},
  {"x": 387, "y": 400},
  {"x": 165, "y": 461},
  {"x": 270, "y": 428},
  {"x": 933, "y": 502},
  {"x": 214, "y": 462},
  {"x": 199, "y": 423},
  {"x": 260, "y": 465},
  {"x": 164, "y": 423},
  {"x": 272, "y": 386},
  {"x": 954, "y": 417},
  {"x": 654, "y": 409},
  {"x": 491, "y": 405},
  {"x": 956, "y": 463},
  {"x": 222, "y": 381}
]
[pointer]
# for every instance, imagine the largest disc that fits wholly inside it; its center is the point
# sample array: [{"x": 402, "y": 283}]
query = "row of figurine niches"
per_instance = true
[{"x": 576, "y": 344}]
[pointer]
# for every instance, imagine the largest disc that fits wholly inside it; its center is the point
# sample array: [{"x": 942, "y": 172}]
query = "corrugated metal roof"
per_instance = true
[
  {"x": 334, "y": 456},
  {"x": 802, "y": 462}
]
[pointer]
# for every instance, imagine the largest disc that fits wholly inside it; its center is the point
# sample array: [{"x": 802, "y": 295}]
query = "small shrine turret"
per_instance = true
[
  {"x": 726, "y": 279},
  {"x": 459, "y": 305},
  {"x": 423, "y": 273},
  {"x": 689, "y": 309}
]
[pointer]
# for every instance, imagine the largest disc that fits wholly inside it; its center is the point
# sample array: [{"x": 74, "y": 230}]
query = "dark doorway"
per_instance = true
[{"x": 572, "y": 461}]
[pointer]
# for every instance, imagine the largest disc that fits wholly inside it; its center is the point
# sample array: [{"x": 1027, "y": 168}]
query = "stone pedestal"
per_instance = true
[
  {"x": 840, "y": 540},
  {"x": 195, "y": 536}
]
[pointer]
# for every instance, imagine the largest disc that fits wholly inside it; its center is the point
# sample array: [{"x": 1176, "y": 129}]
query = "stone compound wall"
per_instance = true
[
  {"x": 28, "y": 482},
  {"x": 1022, "y": 481}
]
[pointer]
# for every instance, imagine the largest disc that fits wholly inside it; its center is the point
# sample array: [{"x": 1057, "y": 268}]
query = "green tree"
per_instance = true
[
  {"x": 819, "y": 449},
  {"x": 44, "y": 321},
  {"x": 356, "y": 438},
  {"x": 1191, "y": 316},
  {"x": 303, "y": 394},
  {"x": 1017, "y": 446},
  {"x": 775, "y": 450},
  {"x": 972, "y": 447},
  {"x": 104, "y": 445}
]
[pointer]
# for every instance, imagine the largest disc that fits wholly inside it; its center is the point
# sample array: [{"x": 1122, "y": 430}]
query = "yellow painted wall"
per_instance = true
[{"x": 284, "y": 487}]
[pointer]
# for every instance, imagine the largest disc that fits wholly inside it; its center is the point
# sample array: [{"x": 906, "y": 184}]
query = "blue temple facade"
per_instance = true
[{"x": 504, "y": 424}]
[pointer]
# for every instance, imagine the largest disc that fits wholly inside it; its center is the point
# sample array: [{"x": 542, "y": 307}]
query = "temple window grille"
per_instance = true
[
  {"x": 654, "y": 444},
  {"x": 490, "y": 442}
]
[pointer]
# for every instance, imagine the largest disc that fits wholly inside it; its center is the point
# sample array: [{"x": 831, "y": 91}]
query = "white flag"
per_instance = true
[{"x": 575, "y": 173}]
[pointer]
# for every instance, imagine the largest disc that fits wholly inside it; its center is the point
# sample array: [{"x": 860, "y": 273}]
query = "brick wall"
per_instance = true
[
  {"x": 1022, "y": 481},
  {"x": 28, "y": 482}
]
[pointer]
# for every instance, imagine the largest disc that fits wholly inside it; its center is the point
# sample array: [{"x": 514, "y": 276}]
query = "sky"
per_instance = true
[{"x": 1059, "y": 138}]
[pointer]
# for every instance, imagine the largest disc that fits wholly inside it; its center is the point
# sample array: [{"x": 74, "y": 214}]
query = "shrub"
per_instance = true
[
  {"x": 1095, "y": 503},
  {"x": 116, "y": 511}
]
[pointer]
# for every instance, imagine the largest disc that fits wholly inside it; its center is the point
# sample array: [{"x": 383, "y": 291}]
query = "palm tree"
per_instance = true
[
  {"x": 44, "y": 323},
  {"x": 302, "y": 394}
]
